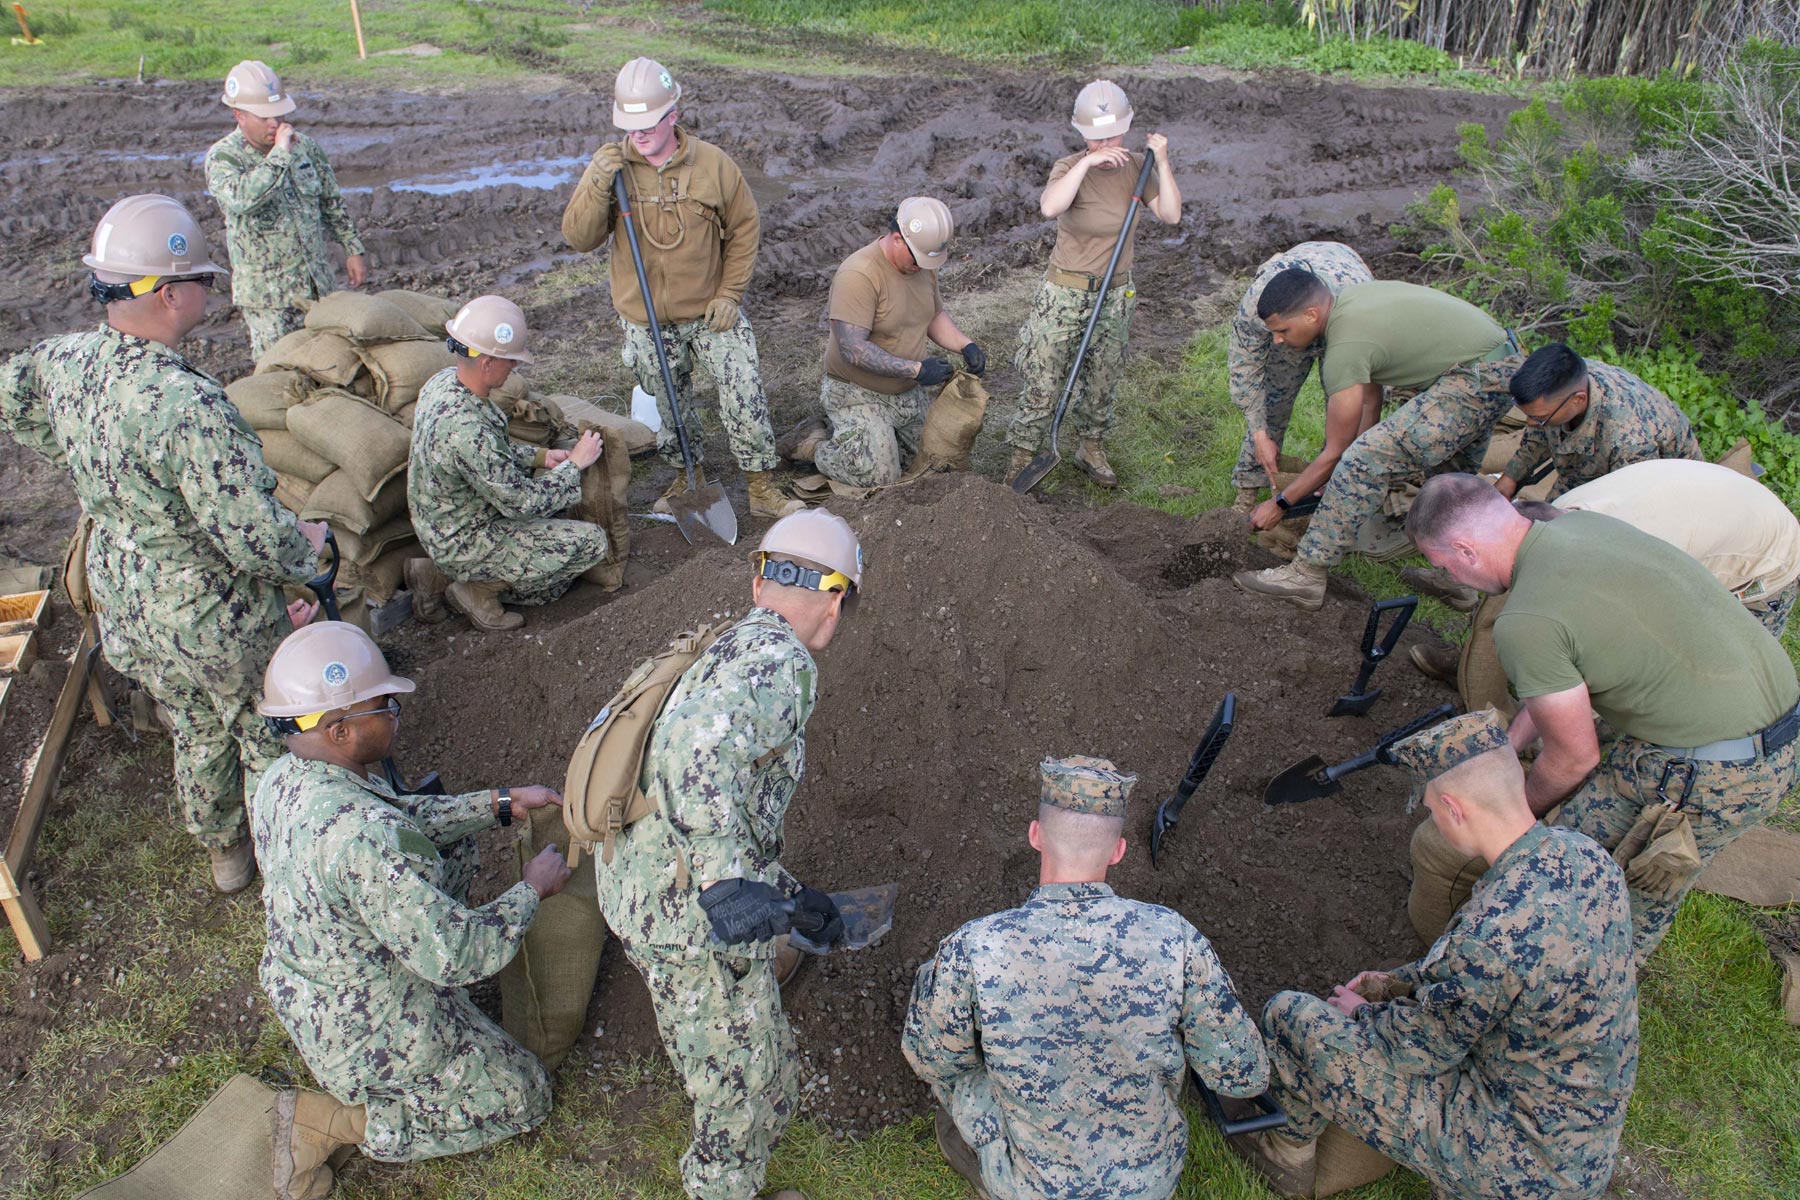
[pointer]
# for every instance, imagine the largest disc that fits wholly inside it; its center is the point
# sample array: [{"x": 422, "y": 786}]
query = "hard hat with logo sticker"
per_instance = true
[
  {"x": 254, "y": 87},
  {"x": 141, "y": 242},
  {"x": 818, "y": 537},
  {"x": 1101, "y": 111},
  {"x": 643, "y": 94},
  {"x": 490, "y": 325},
  {"x": 926, "y": 225},
  {"x": 325, "y": 666}
]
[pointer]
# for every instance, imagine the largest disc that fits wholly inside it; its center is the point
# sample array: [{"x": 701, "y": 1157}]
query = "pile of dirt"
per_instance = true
[{"x": 997, "y": 631}]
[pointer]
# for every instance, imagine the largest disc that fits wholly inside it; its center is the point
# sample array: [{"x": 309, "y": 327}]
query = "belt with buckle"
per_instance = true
[
  {"x": 1766, "y": 741},
  {"x": 1078, "y": 280}
]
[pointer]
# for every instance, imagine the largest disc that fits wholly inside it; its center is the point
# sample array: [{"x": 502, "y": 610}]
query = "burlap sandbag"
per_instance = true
[
  {"x": 400, "y": 369},
  {"x": 951, "y": 424},
  {"x": 75, "y": 567},
  {"x": 325, "y": 357},
  {"x": 337, "y": 502},
  {"x": 292, "y": 493},
  {"x": 639, "y": 439},
  {"x": 221, "y": 1153},
  {"x": 431, "y": 312},
  {"x": 1344, "y": 1161},
  {"x": 379, "y": 579},
  {"x": 362, "y": 549},
  {"x": 288, "y": 455},
  {"x": 603, "y": 503},
  {"x": 405, "y": 415},
  {"x": 1739, "y": 458},
  {"x": 1443, "y": 877},
  {"x": 371, "y": 447},
  {"x": 1479, "y": 676},
  {"x": 264, "y": 399},
  {"x": 1761, "y": 867},
  {"x": 545, "y": 989},
  {"x": 363, "y": 318}
]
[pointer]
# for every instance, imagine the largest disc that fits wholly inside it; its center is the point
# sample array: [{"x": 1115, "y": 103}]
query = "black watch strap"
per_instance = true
[{"x": 504, "y": 809}]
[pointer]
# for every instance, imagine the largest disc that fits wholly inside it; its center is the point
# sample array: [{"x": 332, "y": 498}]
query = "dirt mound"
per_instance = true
[{"x": 997, "y": 631}]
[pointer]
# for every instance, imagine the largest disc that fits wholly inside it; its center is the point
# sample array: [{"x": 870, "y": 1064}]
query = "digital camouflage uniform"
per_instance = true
[
  {"x": 1627, "y": 421},
  {"x": 189, "y": 551},
  {"x": 873, "y": 435},
  {"x": 1506, "y": 1072},
  {"x": 1047, "y": 343},
  {"x": 1266, "y": 378},
  {"x": 370, "y": 947},
  {"x": 723, "y": 761},
  {"x": 480, "y": 512},
  {"x": 280, "y": 208},
  {"x": 730, "y": 358}
]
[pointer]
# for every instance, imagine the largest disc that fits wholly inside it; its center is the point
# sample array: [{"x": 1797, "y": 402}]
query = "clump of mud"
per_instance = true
[{"x": 996, "y": 631}]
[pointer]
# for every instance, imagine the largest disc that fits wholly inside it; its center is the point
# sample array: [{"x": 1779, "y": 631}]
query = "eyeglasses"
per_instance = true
[
  {"x": 390, "y": 709},
  {"x": 1541, "y": 422},
  {"x": 206, "y": 280}
]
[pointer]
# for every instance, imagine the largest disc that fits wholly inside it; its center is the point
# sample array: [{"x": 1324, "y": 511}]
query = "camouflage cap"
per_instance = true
[
  {"x": 1450, "y": 744},
  {"x": 1085, "y": 785}
]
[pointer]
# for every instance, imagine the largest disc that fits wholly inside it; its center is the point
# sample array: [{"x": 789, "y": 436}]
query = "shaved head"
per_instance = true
[
  {"x": 1082, "y": 842},
  {"x": 1494, "y": 781}
]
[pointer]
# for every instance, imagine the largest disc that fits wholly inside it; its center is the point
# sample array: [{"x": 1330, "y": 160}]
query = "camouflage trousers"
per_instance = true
[
  {"x": 721, "y": 1022},
  {"x": 1047, "y": 343},
  {"x": 1444, "y": 428},
  {"x": 730, "y": 358},
  {"x": 1720, "y": 800},
  {"x": 484, "y": 1087},
  {"x": 269, "y": 325},
  {"x": 873, "y": 435},
  {"x": 1774, "y": 611},
  {"x": 537, "y": 559},
  {"x": 1270, "y": 388}
]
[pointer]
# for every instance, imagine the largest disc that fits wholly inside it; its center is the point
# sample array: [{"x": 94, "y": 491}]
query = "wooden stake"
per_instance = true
[
  {"x": 32, "y": 39},
  {"x": 362, "y": 51}
]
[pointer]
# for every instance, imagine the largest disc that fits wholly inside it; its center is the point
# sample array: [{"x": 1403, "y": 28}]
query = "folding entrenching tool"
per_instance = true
[
  {"x": 1043, "y": 464},
  {"x": 1311, "y": 779},
  {"x": 867, "y": 914},
  {"x": 1268, "y": 1113},
  {"x": 1168, "y": 813},
  {"x": 324, "y": 586},
  {"x": 1357, "y": 701},
  {"x": 701, "y": 506}
]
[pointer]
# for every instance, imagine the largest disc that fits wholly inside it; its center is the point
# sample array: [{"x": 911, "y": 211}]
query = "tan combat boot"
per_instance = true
[
  {"x": 1020, "y": 460},
  {"x": 1290, "y": 1169},
  {"x": 957, "y": 1152},
  {"x": 234, "y": 867},
  {"x": 1092, "y": 459},
  {"x": 1429, "y": 581},
  {"x": 1244, "y": 500},
  {"x": 427, "y": 584},
  {"x": 787, "y": 963},
  {"x": 1300, "y": 584},
  {"x": 480, "y": 602},
  {"x": 678, "y": 487},
  {"x": 1437, "y": 661},
  {"x": 800, "y": 443},
  {"x": 309, "y": 1128},
  {"x": 610, "y": 576},
  {"x": 768, "y": 500}
]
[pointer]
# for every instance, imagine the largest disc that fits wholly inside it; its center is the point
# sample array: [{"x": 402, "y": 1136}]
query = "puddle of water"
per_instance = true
[{"x": 541, "y": 173}]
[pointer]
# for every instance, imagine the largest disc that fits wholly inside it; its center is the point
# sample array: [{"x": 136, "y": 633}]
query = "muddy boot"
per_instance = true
[
  {"x": 480, "y": 602},
  {"x": 234, "y": 867},
  {"x": 427, "y": 584},
  {"x": 1300, "y": 584},
  {"x": 1244, "y": 500},
  {"x": 1092, "y": 459},
  {"x": 678, "y": 487},
  {"x": 1020, "y": 460},
  {"x": 309, "y": 1128},
  {"x": 610, "y": 576},
  {"x": 1289, "y": 1168},
  {"x": 1437, "y": 661},
  {"x": 1429, "y": 581},
  {"x": 787, "y": 963},
  {"x": 768, "y": 500},
  {"x": 957, "y": 1152},
  {"x": 800, "y": 443}
]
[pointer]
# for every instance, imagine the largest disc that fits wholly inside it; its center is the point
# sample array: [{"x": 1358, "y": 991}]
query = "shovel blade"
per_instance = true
[
  {"x": 1159, "y": 829},
  {"x": 705, "y": 509},
  {"x": 1035, "y": 470},
  {"x": 1355, "y": 704},
  {"x": 1299, "y": 783}
]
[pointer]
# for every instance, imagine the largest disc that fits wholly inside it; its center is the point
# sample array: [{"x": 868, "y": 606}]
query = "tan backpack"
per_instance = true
[{"x": 601, "y": 794}]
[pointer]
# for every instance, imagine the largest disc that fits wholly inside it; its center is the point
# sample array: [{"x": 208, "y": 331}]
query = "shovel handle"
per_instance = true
[
  {"x": 1426, "y": 721},
  {"x": 1301, "y": 508},
  {"x": 1207, "y": 752},
  {"x": 1403, "y": 606},
  {"x": 622, "y": 196},
  {"x": 1268, "y": 1114},
  {"x": 324, "y": 584}
]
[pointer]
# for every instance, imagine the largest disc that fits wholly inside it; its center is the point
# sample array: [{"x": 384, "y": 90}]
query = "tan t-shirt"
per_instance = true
[
  {"x": 1736, "y": 527},
  {"x": 870, "y": 292},
  {"x": 1087, "y": 230}
]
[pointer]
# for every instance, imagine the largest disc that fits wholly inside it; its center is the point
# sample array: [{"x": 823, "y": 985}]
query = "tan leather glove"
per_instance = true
[
  {"x": 1639, "y": 835},
  {"x": 1670, "y": 862},
  {"x": 610, "y": 160},
  {"x": 721, "y": 314}
]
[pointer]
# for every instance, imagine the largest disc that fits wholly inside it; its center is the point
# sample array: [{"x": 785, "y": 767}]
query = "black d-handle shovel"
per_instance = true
[
  {"x": 1357, "y": 701},
  {"x": 1311, "y": 779},
  {"x": 1268, "y": 1113},
  {"x": 1043, "y": 464},
  {"x": 1168, "y": 813},
  {"x": 324, "y": 586}
]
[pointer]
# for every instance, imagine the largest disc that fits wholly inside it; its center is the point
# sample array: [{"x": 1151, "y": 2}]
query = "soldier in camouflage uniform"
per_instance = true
[
  {"x": 1058, "y": 1036},
  {"x": 1601, "y": 617},
  {"x": 189, "y": 550},
  {"x": 371, "y": 942},
  {"x": 696, "y": 891},
  {"x": 281, "y": 203},
  {"x": 1265, "y": 379},
  {"x": 698, "y": 230},
  {"x": 1500, "y": 1063},
  {"x": 490, "y": 526},
  {"x": 1088, "y": 194}
]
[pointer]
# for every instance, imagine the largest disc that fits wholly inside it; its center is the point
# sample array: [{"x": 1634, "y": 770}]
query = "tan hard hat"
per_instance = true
[
  {"x": 255, "y": 87},
  {"x": 325, "y": 666},
  {"x": 1101, "y": 111},
  {"x": 926, "y": 225},
  {"x": 643, "y": 94},
  {"x": 143, "y": 238},
  {"x": 491, "y": 325},
  {"x": 817, "y": 536}
]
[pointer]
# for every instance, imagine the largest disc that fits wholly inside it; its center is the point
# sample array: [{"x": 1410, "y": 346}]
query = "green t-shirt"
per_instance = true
[
  {"x": 1668, "y": 655},
  {"x": 1401, "y": 335}
]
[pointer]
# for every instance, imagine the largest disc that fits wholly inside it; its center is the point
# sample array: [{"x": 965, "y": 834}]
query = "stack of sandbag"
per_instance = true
[{"x": 551, "y": 419}]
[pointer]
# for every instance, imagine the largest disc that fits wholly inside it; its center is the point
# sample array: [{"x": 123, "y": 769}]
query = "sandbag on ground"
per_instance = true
[
  {"x": 338, "y": 502},
  {"x": 288, "y": 455},
  {"x": 363, "y": 318},
  {"x": 224, "y": 1152},
  {"x": 603, "y": 502},
  {"x": 400, "y": 369},
  {"x": 1443, "y": 878},
  {"x": 951, "y": 424},
  {"x": 639, "y": 439},
  {"x": 264, "y": 399},
  {"x": 545, "y": 989},
  {"x": 1761, "y": 867},
  {"x": 431, "y": 312},
  {"x": 1344, "y": 1161},
  {"x": 324, "y": 357},
  {"x": 369, "y": 445},
  {"x": 378, "y": 579}
]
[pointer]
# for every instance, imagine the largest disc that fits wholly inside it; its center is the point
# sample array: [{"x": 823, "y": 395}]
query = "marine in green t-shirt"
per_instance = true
[{"x": 1401, "y": 335}]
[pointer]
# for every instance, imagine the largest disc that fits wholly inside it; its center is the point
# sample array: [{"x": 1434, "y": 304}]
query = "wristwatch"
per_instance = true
[
  {"x": 1281, "y": 502},
  {"x": 503, "y": 809}
]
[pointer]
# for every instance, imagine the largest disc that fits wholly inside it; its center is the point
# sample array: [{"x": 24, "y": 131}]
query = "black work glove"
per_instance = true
[
  {"x": 743, "y": 910},
  {"x": 975, "y": 358},
  {"x": 816, "y": 915},
  {"x": 934, "y": 371}
]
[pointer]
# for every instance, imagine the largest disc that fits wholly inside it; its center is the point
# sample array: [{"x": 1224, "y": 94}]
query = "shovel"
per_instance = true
[
  {"x": 1268, "y": 1113},
  {"x": 700, "y": 507},
  {"x": 1043, "y": 464},
  {"x": 324, "y": 586},
  {"x": 867, "y": 913},
  {"x": 1168, "y": 813},
  {"x": 1356, "y": 702},
  {"x": 1311, "y": 779}
]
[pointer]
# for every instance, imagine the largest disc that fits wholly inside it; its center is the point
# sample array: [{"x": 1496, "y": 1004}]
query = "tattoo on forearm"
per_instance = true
[{"x": 854, "y": 344}]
